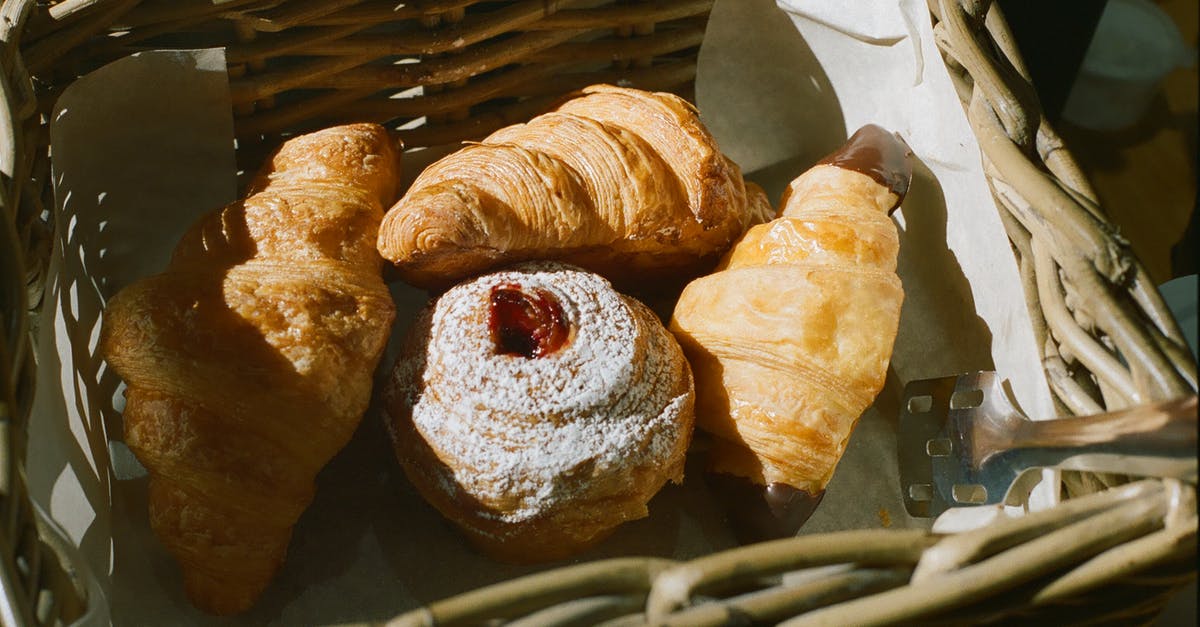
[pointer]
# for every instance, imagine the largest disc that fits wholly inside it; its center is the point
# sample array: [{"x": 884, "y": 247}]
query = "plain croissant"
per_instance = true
[
  {"x": 790, "y": 338},
  {"x": 248, "y": 361},
  {"x": 622, "y": 182}
]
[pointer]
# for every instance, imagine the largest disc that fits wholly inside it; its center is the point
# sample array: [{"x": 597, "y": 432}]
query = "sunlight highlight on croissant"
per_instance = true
[{"x": 790, "y": 339}]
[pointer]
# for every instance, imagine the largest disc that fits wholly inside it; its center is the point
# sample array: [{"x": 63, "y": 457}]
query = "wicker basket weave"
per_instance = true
[{"x": 1111, "y": 552}]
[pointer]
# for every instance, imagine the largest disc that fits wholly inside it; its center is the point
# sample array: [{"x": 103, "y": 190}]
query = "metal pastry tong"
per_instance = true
[{"x": 962, "y": 442}]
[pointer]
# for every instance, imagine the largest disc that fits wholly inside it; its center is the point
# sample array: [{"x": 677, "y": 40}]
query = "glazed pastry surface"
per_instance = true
[
  {"x": 622, "y": 182},
  {"x": 538, "y": 430},
  {"x": 248, "y": 361},
  {"x": 791, "y": 337}
]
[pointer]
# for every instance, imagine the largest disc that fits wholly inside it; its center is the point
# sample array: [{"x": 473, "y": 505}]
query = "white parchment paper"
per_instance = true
[
  {"x": 144, "y": 146},
  {"x": 140, "y": 149}
]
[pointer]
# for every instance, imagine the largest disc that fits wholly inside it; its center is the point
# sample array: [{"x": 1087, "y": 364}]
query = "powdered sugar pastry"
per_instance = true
[{"x": 524, "y": 436}]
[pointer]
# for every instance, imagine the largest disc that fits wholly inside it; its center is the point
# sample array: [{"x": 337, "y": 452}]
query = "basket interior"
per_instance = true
[{"x": 437, "y": 72}]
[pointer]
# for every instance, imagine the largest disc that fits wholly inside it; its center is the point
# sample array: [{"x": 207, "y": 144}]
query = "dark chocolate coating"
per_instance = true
[
  {"x": 757, "y": 512},
  {"x": 880, "y": 155}
]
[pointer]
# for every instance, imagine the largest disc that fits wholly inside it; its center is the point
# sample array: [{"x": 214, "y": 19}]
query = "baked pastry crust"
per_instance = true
[
  {"x": 537, "y": 458},
  {"x": 248, "y": 361},
  {"x": 622, "y": 182},
  {"x": 791, "y": 337}
]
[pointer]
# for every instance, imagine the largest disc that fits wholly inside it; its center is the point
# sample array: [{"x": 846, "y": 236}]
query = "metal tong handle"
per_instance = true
[
  {"x": 1158, "y": 439},
  {"x": 1167, "y": 427}
]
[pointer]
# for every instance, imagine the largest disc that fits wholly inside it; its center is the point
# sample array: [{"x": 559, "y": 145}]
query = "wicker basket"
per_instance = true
[{"x": 1111, "y": 552}]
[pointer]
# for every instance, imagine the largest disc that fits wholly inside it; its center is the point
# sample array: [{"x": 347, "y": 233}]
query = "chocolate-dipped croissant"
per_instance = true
[
  {"x": 249, "y": 359},
  {"x": 790, "y": 338},
  {"x": 622, "y": 182}
]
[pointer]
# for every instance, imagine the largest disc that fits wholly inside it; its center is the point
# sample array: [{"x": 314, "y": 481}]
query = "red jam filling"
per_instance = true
[{"x": 523, "y": 322}]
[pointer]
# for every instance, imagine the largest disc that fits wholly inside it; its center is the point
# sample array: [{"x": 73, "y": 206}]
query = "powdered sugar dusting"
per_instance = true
[{"x": 516, "y": 433}]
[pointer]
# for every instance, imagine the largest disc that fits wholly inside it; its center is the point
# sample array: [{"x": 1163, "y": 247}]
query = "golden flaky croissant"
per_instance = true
[
  {"x": 248, "y": 361},
  {"x": 790, "y": 339},
  {"x": 622, "y": 182}
]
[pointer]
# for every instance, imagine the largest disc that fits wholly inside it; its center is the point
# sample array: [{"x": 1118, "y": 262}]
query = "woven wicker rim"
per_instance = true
[{"x": 1112, "y": 552}]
